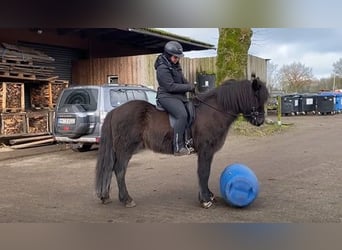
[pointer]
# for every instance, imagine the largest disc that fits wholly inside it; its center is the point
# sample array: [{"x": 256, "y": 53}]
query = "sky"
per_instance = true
[{"x": 316, "y": 48}]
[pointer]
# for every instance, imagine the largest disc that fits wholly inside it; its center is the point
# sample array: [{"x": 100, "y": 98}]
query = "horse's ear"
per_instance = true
[{"x": 256, "y": 84}]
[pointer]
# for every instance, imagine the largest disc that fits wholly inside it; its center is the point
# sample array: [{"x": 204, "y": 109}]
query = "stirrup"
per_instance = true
[
  {"x": 190, "y": 149},
  {"x": 189, "y": 141}
]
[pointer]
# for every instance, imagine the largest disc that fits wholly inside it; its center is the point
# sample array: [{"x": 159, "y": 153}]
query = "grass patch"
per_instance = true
[{"x": 242, "y": 127}]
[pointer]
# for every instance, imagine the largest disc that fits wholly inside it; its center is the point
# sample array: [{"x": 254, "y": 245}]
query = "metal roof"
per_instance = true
[{"x": 112, "y": 42}]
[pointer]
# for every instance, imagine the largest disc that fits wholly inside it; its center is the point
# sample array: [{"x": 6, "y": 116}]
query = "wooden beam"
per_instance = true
[
  {"x": 28, "y": 139},
  {"x": 4, "y": 90},
  {"x": 32, "y": 144}
]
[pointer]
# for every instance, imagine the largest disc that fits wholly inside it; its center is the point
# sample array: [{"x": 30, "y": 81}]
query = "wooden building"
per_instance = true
[{"x": 36, "y": 64}]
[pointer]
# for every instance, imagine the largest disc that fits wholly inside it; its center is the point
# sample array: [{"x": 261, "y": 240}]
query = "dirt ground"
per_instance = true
[{"x": 299, "y": 172}]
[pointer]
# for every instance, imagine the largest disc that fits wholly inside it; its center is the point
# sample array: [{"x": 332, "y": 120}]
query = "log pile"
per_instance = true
[
  {"x": 26, "y": 122},
  {"x": 12, "y": 97},
  {"x": 37, "y": 122},
  {"x": 13, "y": 123},
  {"x": 22, "y": 68},
  {"x": 56, "y": 89},
  {"x": 18, "y": 62},
  {"x": 45, "y": 95},
  {"x": 40, "y": 95}
]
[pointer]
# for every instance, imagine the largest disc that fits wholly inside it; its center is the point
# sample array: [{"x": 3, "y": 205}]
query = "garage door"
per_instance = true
[{"x": 63, "y": 58}]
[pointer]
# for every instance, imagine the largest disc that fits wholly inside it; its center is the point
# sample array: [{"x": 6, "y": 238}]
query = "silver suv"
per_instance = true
[{"x": 80, "y": 111}]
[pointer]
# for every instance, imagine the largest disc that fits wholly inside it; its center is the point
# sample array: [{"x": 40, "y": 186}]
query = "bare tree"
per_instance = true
[
  {"x": 337, "y": 67},
  {"x": 272, "y": 76},
  {"x": 295, "y": 77}
]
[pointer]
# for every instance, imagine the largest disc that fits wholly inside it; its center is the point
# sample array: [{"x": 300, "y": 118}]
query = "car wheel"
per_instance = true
[{"x": 82, "y": 148}]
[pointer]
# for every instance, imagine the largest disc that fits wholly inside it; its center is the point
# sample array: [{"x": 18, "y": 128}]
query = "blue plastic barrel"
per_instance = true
[{"x": 239, "y": 185}]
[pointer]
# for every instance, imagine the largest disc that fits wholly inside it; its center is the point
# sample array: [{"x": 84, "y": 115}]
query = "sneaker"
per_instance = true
[
  {"x": 190, "y": 149},
  {"x": 182, "y": 151}
]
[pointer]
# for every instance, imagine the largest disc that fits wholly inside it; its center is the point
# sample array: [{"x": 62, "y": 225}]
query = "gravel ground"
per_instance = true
[{"x": 299, "y": 173}]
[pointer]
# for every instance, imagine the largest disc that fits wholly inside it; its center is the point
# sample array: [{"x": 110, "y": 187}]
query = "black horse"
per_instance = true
[{"x": 138, "y": 124}]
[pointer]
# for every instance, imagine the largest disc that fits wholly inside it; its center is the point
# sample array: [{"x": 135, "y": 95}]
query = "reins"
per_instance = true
[
  {"x": 214, "y": 108},
  {"x": 253, "y": 113}
]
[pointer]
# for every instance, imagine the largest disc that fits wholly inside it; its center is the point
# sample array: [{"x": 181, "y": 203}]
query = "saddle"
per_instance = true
[{"x": 190, "y": 108}]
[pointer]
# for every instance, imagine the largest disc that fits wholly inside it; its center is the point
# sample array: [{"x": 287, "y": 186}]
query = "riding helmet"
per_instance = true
[{"x": 174, "y": 48}]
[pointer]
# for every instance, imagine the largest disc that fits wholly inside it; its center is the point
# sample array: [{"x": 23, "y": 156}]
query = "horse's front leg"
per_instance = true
[{"x": 206, "y": 197}]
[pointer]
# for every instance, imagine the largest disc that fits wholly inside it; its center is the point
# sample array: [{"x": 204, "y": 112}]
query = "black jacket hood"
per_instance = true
[{"x": 162, "y": 59}]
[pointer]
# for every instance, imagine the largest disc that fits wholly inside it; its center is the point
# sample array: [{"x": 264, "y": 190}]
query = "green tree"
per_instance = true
[{"x": 232, "y": 53}]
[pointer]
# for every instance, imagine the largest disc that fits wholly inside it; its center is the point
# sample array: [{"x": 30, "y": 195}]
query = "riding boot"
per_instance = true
[{"x": 178, "y": 146}]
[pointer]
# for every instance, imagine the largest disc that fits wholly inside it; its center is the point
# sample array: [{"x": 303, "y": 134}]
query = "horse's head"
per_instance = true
[{"x": 259, "y": 96}]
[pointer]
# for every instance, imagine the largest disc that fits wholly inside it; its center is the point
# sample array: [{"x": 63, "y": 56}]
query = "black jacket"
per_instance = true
[{"x": 171, "y": 80}]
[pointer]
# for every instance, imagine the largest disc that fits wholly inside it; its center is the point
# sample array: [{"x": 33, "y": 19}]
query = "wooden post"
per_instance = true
[
  {"x": 279, "y": 110},
  {"x": 4, "y": 96},
  {"x": 50, "y": 95},
  {"x": 22, "y": 108},
  {"x": 25, "y": 124},
  {"x": 2, "y": 124}
]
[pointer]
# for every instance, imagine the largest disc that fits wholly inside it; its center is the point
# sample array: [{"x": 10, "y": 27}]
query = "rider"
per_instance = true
[{"x": 171, "y": 93}]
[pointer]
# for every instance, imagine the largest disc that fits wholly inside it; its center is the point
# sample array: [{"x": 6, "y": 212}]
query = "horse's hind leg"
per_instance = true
[{"x": 120, "y": 168}]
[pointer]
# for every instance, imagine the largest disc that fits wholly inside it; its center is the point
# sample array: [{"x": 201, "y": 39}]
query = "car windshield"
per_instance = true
[{"x": 87, "y": 98}]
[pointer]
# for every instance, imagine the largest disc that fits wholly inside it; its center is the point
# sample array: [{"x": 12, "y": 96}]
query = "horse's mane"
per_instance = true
[{"x": 235, "y": 95}]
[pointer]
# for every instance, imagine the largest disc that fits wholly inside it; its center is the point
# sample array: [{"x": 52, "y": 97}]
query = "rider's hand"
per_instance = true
[{"x": 193, "y": 87}]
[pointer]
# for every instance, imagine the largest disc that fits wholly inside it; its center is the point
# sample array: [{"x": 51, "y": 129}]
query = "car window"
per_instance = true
[
  {"x": 117, "y": 97},
  {"x": 130, "y": 95},
  {"x": 151, "y": 96},
  {"x": 120, "y": 96},
  {"x": 87, "y": 98},
  {"x": 139, "y": 94}
]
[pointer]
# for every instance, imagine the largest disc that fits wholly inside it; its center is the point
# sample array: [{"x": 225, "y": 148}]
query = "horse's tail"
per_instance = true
[{"x": 105, "y": 160}]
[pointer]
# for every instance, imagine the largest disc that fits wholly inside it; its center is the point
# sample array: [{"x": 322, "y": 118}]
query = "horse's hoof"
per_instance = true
[
  {"x": 206, "y": 204},
  {"x": 130, "y": 204},
  {"x": 106, "y": 201}
]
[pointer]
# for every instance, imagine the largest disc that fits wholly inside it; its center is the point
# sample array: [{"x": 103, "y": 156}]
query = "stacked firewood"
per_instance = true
[
  {"x": 20, "y": 62},
  {"x": 21, "y": 68},
  {"x": 40, "y": 95},
  {"x": 12, "y": 124},
  {"x": 26, "y": 122},
  {"x": 11, "y": 97},
  {"x": 37, "y": 122},
  {"x": 45, "y": 95},
  {"x": 15, "y": 91},
  {"x": 56, "y": 89}
]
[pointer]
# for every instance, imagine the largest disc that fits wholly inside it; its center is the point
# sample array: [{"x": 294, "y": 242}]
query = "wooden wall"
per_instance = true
[
  {"x": 140, "y": 69},
  {"x": 130, "y": 70}
]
